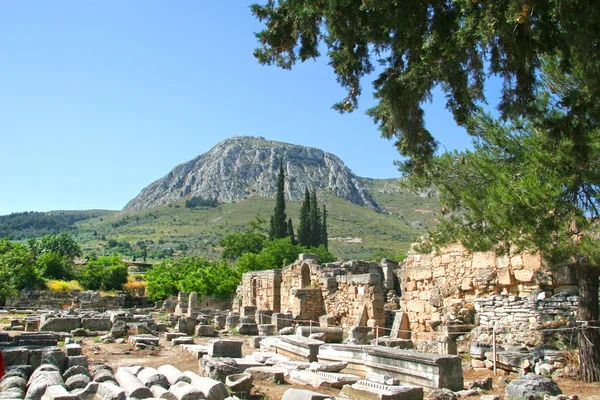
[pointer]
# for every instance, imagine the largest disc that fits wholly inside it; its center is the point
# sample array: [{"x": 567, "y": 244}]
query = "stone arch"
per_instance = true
[{"x": 304, "y": 276}]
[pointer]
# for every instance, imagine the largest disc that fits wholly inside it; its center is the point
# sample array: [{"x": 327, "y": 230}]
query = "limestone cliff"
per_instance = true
[{"x": 244, "y": 166}]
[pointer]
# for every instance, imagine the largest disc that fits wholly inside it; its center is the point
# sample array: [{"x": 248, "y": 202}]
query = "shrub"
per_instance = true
[{"x": 63, "y": 286}]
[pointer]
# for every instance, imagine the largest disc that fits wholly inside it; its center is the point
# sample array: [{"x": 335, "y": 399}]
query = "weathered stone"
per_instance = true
[
  {"x": 160, "y": 392},
  {"x": 172, "y": 374},
  {"x": 62, "y": 324},
  {"x": 218, "y": 368},
  {"x": 247, "y": 329},
  {"x": 225, "y": 348},
  {"x": 239, "y": 383},
  {"x": 76, "y": 370},
  {"x": 77, "y": 360},
  {"x": 43, "y": 379},
  {"x": 15, "y": 356},
  {"x": 319, "y": 379},
  {"x": 96, "y": 324},
  {"x": 118, "y": 329},
  {"x": 211, "y": 388},
  {"x": 269, "y": 374},
  {"x": 288, "y": 330},
  {"x": 532, "y": 387},
  {"x": 24, "y": 371},
  {"x": 185, "y": 391},
  {"x": 182, "y": 340},
  {"x": 56, "y": 356},
  {"x": 103, "y": 375},
  {"x": 302, "y": 394},
  {"x": 375, "y": 391},
  {"x": 58, "y": 392},
  {"x": 401, "y": 326},
  {"x": 442, "y": 394},
  {"x": 266, "y": 329},
  {"x": 13, "y": 382},
  {"x": 77, "y": 381},
  {"x": 205, "y": 330},
  {"x": 485, "y": 384},
  {"x": 328, "y": 367},
  {"x": 73, "y": 349},
  {"x": 151, "y": 377},
  {"x": 110, "y": 391},
  {"x": 132, "y": 385}
]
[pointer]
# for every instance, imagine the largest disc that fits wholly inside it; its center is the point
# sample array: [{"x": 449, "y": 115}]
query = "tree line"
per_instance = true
[{"x": 38, "y": 261}]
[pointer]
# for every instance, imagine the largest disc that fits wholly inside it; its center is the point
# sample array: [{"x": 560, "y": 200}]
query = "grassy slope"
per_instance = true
[{"x": 406, "y": 216}]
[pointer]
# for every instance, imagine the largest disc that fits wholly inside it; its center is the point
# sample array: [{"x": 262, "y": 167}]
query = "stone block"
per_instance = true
[
  {"x": 375, "y": 391},
  {"x": 524, "y": 275},
  {"x": 218, "y": 368},
  {"x": 301, "y": 394},
  {"x": 62, "y": 324},
  {"x": 40, "y": 382},
  {"x": 172, "y": 335},
  {"x": 225, "y": 348},
  {"x": 205, "y": 330},
  {"x": 319, "y": 379},
  {"x": 401, "y": 326},
  {"x": 73, "y": 349},
  {"x": 77, "y": 360},
  {"x": 247, "y": 329},
  {"x": 266, "y": 329},
  {"x": 505, "y": 277},
  {"x": 182, "y": 340},
  {"x": 96, "y": 324},
  {"x": 267, "y": 374},
  {"x": 239, "y": 383},
  {"x": 484, "y": 260},
  {"x": 333, "y": 334}
]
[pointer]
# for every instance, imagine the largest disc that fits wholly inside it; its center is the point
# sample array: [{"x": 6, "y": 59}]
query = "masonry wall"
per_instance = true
[
  {"x": 456, "y": 286},
  {"x": 46, "y": 299},
  {"x": 351, "y": 292},
  {"x": 261, "y": 289}
]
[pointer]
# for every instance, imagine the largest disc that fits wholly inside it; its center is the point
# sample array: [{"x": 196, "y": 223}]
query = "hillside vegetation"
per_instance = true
[{"x": 355, "y": 232}]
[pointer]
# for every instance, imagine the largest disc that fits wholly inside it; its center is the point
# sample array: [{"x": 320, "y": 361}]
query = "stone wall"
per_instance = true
[
  {"x": 260, "y": 289},
  {"x": 457, "y": 287},
  {"x": 351, "y": 293},
  {"x": 46, "y": 299}
]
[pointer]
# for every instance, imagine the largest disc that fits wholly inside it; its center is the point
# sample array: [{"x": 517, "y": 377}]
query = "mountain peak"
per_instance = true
[{"x": 243, "y": 166}]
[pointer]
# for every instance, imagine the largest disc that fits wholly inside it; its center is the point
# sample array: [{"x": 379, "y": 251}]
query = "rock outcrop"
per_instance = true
[{"x": 244, "y": 166}]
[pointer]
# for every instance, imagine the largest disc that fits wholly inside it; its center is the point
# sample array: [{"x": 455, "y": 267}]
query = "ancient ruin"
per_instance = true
[{"x": 368, "y": 330}]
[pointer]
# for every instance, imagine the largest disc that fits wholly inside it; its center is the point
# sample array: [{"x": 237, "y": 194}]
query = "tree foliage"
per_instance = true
[
  {"x": 415, "y": 45},
  {"x": 313, "y": 223},
  {"x": 236, "y": 244},
  {"x": 278, "y": 227},
  {"x": 195, "y": 274},
  {"x": 532, "y": 184},
  {"x": 19, "y": 226},
  {"x": 104, "y": 273}
]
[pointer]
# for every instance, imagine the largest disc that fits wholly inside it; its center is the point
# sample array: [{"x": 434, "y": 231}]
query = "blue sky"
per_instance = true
[{"x": 99, "y": 99}]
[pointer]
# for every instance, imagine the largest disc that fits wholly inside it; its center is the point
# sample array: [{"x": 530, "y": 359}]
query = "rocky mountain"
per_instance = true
[{"x": 244, "y": 166}]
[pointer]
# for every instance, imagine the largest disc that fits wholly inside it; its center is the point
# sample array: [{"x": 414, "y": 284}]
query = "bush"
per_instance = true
[
  {"x": 63, "y": 286},
  {"x": 200, "y": 202},
  {"x": 105, "y": 273},
  {"x": 112, "y": 243}
]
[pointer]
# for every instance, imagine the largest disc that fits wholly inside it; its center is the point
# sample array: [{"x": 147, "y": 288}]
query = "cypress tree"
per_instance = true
[
  {"x": 324, "y": 228},
  {"x": 278, "y": 228},
  {"x": 290, "y": 231},
  {"x": 304, "y": 230},
  {"x": 315, "y": 221}
]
